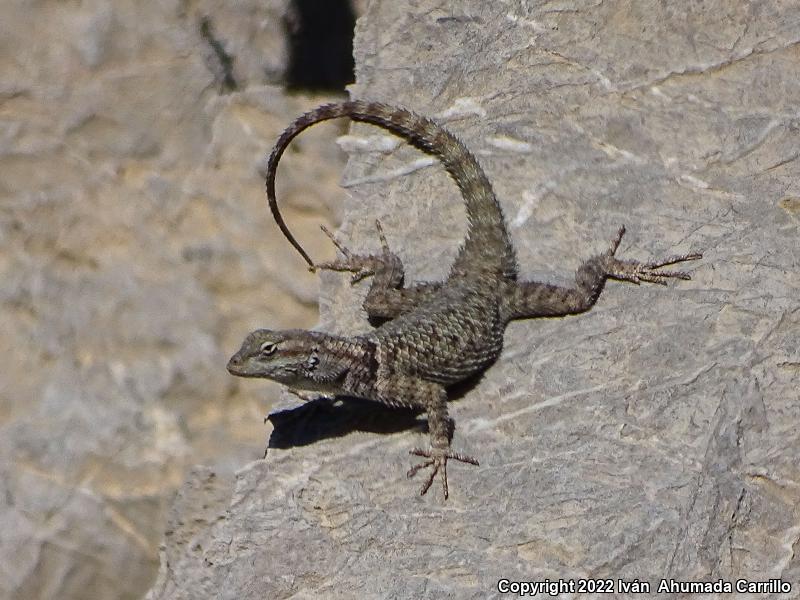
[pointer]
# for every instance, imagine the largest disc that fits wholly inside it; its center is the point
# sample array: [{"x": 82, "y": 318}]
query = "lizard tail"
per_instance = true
[{"x": 486, "y": 236}]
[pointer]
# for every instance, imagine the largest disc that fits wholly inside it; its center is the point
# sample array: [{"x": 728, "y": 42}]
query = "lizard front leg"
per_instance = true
[
  {"x": 387, "y": 298},
  {"x": 433, "y": 398}
]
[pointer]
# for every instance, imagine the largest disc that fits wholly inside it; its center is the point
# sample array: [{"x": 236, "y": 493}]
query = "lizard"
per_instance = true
[{"x": 433, "y": 334}]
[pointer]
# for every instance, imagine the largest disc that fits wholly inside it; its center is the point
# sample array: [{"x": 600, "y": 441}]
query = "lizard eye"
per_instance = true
[{"x": 268, "y": 348}]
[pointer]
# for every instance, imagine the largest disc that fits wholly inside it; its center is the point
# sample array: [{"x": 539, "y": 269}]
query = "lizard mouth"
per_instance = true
[
  {"x": 236, "y": 366},
  {"x": 241, "y": 366}
]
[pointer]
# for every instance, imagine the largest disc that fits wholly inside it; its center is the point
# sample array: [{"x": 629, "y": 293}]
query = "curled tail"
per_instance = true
[{"x": 486, "y": 234}]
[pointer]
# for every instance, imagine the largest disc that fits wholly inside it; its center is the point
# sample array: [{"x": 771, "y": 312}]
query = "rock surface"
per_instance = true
[
  {"x": 653, "y": 437},
  {"x": 136, "y": 252}
]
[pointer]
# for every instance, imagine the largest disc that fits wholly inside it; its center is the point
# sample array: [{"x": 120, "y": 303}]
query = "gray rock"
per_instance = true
[
  {"x": 653, "y": 437},
  {"x": 136, "y": 251}
]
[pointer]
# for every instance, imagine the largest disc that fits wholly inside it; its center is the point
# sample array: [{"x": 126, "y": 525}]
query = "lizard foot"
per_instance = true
[
  {"x": 361, "y": 265},
  {"x": 437, "y": 460},
  {"x": 636, "y": 272}
]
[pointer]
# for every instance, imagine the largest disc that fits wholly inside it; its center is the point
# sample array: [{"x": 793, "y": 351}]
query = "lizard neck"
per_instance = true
[{"x": 336, "y": 361}]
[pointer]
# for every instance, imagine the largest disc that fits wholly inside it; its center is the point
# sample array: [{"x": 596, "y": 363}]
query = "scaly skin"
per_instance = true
[{"x": 437, "y": 333}]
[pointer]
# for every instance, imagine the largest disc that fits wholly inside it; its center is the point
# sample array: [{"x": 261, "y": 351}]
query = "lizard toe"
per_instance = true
[{"x": 437, "y": 460}]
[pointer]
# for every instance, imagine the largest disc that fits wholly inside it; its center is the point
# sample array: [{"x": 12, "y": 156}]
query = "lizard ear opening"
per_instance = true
[{"x": 313, "y": 360}]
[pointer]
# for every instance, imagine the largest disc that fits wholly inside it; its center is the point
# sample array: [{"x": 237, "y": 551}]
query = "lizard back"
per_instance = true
[
  {"x": 455, "y": 334},
  {"x": 437, "y": 333}
]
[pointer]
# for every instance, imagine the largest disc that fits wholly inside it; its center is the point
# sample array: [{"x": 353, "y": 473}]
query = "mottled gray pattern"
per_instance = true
[{"x": 439, "y": 335}]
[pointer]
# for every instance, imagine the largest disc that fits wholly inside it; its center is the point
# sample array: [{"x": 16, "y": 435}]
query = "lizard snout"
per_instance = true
[{"x": 235, "y": 364}]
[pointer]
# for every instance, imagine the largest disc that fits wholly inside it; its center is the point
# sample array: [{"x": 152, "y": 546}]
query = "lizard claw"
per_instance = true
[
  {"x": 637, "y": 272},
  {"x": 437, "y": 460},
  {"x": 361, "y": 266},
  {"x": 353, "y": 265}
]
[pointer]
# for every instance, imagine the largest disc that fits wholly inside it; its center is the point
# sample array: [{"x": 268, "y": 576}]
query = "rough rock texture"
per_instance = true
[
  {"x": 136, "y": 251},
  {"x": 654, "y": 437}
]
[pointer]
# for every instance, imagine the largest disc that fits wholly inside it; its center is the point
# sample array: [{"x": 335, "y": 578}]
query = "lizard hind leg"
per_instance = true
[
  {"x": 534, "y": 299},
  {"x": 636, "y": 271}
]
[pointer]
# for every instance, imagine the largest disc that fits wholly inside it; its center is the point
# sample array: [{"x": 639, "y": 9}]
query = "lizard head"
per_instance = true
[{"x": 290, "y": 357}]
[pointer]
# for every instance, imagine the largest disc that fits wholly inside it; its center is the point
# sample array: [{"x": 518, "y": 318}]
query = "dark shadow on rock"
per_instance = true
[
  {"x": 323, "y": 418},
  {"x": 320, "y": 35}
]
